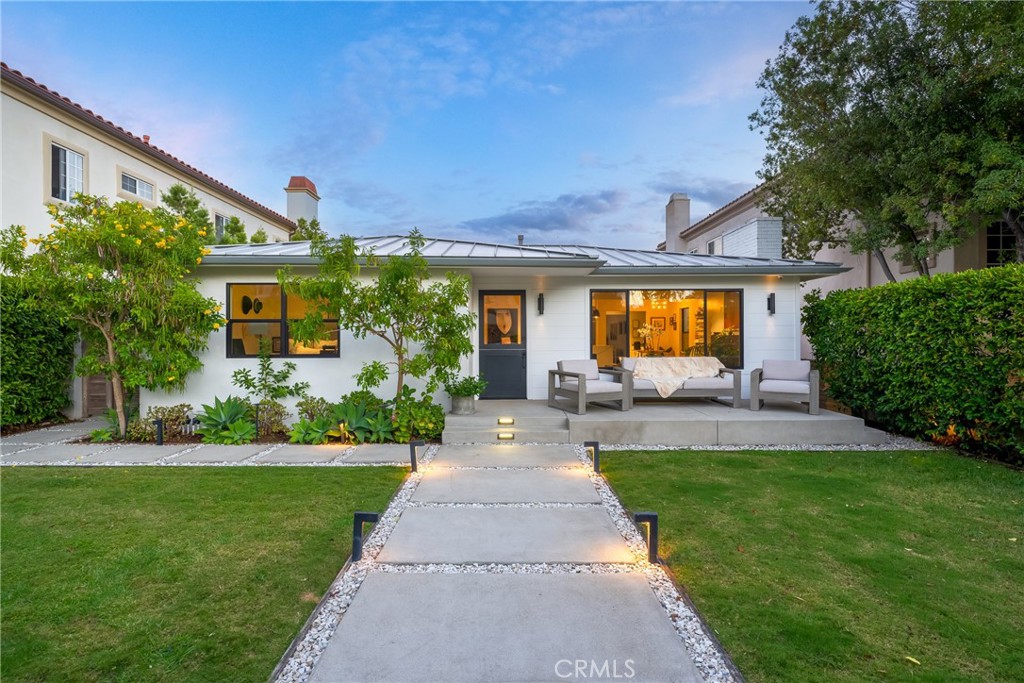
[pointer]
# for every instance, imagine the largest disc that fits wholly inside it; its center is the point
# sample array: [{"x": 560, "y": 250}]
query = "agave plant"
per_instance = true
[
  {"x": 353, "y": 422},
  {"x": 238, "y": 432},
  {"x": 219, "y": 417},
  {"x": 381, "y": 427},
  {"x": 312, "y": 431}
]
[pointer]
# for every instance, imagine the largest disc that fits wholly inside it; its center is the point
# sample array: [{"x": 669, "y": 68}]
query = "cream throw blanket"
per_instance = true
[{"x": 668, "y": 374}]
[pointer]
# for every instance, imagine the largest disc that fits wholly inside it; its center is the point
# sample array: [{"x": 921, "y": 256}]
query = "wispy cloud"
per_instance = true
[
  {"x": 569, "y": 217},
  {"x": 710, "y": 192},
  {"x": 730, "y": 78}
]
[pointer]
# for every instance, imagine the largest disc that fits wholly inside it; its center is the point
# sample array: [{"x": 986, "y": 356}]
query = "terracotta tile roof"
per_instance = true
[
  {"x": 301, "y": 182},
  {"x": 39, "y": 90}
]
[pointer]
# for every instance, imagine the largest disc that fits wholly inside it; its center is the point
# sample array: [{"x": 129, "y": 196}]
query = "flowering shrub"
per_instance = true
[{"x": 119, "y": 274}]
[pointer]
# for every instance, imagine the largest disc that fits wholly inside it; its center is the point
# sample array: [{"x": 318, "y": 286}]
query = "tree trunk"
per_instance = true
[
  {"x": 118, "y": 390},
  {"x": 1015, "y": 219},
  {"x": 884, "y": 264}
]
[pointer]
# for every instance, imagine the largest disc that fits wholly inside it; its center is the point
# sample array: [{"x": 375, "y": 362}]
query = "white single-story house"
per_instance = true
[{"x": 534, "y": 304}]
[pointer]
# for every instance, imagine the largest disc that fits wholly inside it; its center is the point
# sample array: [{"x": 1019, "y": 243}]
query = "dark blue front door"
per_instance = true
[{"x": 503, "y": 343}]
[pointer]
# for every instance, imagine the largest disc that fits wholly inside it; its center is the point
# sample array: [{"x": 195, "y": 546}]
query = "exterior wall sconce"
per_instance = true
[
  {"x": 506, "y": 420},
  {"x": 540, "y": 304},
  {"x": 506, "y": 436},
  {"x": 595, "y": 314},
  {"x": 413, "y": 445},
  {"x": 651, "y": 520},
  {"x": 595, "y": 452},
  {"x": 358, "y": 520},
  {"x": 771, "y": 304}
]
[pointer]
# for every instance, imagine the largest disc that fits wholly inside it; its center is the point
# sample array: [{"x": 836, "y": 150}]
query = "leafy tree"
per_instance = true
[
  {"x": 427, "y": 325},
  {"x": 308, "y": 231},
  {"x": 234, "y": 232},
  {"x": 259, "y": 237},
  {"x": 183, "y": 202},
  {"x": 895, "y": 125},
  {"x": 119, "y": 274}
]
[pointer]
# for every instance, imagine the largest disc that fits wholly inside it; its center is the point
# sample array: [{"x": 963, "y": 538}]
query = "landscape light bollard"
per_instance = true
[
  {"x": 358, "y": 520},
  {"x": 595, "y": 450},
  {"x": 413, "y": 445},
  {"x": 159, "y": 424},
  {"x": 651, "y": 520}
]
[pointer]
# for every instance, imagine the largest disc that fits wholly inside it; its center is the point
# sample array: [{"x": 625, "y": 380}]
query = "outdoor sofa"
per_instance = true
[{"x": 722, "y": 382}]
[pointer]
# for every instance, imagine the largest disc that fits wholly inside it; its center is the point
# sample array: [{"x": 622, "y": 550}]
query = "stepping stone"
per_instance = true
[
  {"x": 140, "y": 454},
  {"x": 484, "y": 535},
  {"x": 293, "y": 454},
  {"x": 467, "y": 628},
  {"x": 441, "y": 485},
  {"x": 510, "y": 455},
  {"x": 75, "y": 452},
  {"x": 215, "y": 453},
  {"x": 370, "y": 453}
]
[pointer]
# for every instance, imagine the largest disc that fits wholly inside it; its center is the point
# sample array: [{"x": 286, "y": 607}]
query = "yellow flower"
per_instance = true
[
  {"x": 216, "y": 326},
  {"x": 202, "y": 233},
  {"x": 24, "y": 243},
  {"x": 207, "y": 312},
  {"x": 199, "y": 260},
  {"x": 137, "y": 241},
  {"x": 217, "y": 308},
  {"x": 207, "y": 252},
  {"x": 35, "y": 240},
  {"x": 88, "y": 275},
  {"x": 171, "y": 378},
  {"x": 94, "y": 212}
]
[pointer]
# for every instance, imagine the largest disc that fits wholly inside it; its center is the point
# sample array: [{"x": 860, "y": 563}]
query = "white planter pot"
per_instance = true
[{"x": 463, "y": 405}]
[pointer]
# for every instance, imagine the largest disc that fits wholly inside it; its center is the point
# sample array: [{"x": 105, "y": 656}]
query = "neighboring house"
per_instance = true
[
  {"x": 742, "y": 228},
  {"x": 54, "y": 148},
  {"x": 534, "y": 304}
]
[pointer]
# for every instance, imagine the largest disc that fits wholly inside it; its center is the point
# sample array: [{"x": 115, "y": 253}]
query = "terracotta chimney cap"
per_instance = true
[{"x": 300, "y": 183}]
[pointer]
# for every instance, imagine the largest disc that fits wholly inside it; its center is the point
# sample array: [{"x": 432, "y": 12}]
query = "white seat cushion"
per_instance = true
[
  {"x": 586, "y": 367},
  {"x": 595, "y": 386},
  {"x": 709, "y": 383},
  {"x": 785, "y": 386},
  {"x": 797, "y": 370},
  {"x": 643, "y": 384},
  {"x": 629, "y": 363}
]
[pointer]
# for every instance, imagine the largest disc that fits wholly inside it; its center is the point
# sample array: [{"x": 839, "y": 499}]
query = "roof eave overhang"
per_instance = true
[{"x": 802, "y": 271}]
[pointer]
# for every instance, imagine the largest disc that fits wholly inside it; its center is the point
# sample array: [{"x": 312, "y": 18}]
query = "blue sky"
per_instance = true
[{"x": 566, "y": 122}]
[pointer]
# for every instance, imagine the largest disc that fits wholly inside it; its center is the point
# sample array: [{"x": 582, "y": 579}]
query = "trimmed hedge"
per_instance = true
[
  {"x": 37, "y": 350},
  {"x": 939, "y": 358}
]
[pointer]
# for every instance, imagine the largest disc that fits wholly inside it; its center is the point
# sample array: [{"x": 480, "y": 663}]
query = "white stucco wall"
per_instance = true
[
  {"x": 562, "y": 333},
  {"x": 29, "y": 125}
]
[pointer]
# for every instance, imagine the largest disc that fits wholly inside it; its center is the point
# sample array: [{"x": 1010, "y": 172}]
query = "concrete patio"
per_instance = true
[{"x": 670, "y": 423}]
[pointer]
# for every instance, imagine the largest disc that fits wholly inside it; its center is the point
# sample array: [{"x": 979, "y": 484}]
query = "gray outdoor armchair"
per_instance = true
[
  {"x": 785, "y": 380},
  {"x": 580, "y": 381}
]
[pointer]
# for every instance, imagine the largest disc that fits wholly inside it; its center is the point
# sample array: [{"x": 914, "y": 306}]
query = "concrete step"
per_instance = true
[
  {"x": 520, "y": 435},
  {"x": 544, "y": 426}
]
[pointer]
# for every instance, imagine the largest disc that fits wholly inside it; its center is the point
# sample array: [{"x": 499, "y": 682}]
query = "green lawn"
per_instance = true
[
  {"x": 176, "y": 574},
  {"x": 841, "y": 566}
]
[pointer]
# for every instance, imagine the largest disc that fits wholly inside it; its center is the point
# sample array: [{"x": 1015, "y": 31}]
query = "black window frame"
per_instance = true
[
  {"x": 283, "y": 321},
  {"x": 626, "y": 291}
]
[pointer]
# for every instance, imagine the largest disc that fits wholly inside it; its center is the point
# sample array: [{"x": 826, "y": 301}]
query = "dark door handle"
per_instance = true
[{"x": 524, "y": 361}]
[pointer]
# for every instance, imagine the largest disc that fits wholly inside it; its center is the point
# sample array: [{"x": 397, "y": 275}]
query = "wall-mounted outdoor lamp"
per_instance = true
[
  {"x": 595, "y": 453},
  {"x": 358, "y": 520},
  {"x": 540, "y": 304},
  {"x": 771, "y": 304},
  {"x": 651, "y": 520},
  {"x": 413, "y": 445},
  {"x": 595, "y": 314}
]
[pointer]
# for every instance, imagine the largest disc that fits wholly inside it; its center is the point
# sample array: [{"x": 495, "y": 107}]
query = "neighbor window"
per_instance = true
[
  {"x": 67, "y": 173},
  {"x": 667, "y": 322},
  {"x": 219, "y": 223},
  {"x": 1000, "y": 245},
  {"x": 136, "y": 186},
  {"x": 261, "y": 313}
]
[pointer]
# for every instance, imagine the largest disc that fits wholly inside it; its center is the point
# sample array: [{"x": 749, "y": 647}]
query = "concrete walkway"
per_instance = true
[{"x": 505, "y": 565}]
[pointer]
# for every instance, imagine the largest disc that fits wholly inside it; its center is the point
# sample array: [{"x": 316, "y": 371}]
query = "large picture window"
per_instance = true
[
  {"x": 260, "y": 313},
  {"x": 667, "y": 322}
]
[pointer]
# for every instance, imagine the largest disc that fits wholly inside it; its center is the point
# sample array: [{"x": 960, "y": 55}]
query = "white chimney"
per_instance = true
[
  {"x": 677, "y": 220},
  {"x": 302, "y": 198}
]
